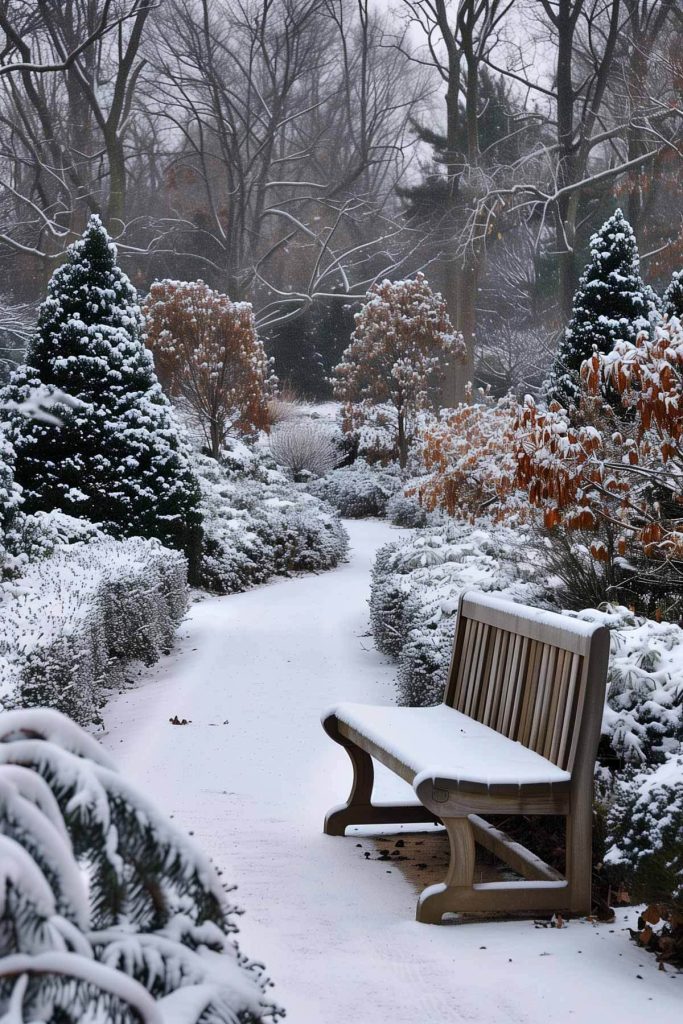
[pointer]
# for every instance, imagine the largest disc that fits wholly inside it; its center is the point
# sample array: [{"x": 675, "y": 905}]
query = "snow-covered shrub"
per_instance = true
[
  {"x": 357, "y": 491},
  {"x": 373, "y": 435},
  {"x": 257, "y": 524},
  {"x": 305, "y": 445},
  {"x": 416, "y": 584},
  {"x": 405, "y": 509},
  {"x": 469, "y": 457},
  {"x": 643, "y": 716},
  {"x": 110, "y": 913},
  {"x": 70, "y": 623},
  {"x": 645, "y": 831},
  {"x": 40, "y": 534}
]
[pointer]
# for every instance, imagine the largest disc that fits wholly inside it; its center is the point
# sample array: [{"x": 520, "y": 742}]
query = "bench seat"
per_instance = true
[{"x": 441, "y": 743}]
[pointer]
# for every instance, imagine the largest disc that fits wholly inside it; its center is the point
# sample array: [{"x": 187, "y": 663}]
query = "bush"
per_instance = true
[
  {"x": 644, "y": 829},
  {"x": 305, "y": 445},
  {"x": 643, "y": 718},
  {"x": 111, "y": 912},
  {"x": 257, "y": 524},
  {"x": 404, "y": 509},
  {"x": 357, "y": 491},
  {"x": 71, "y": 623},
  {"x": 415, "y": 590}
]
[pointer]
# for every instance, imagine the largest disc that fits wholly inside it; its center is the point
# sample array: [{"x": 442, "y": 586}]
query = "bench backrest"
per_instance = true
[{"x": 534, "y": 676}]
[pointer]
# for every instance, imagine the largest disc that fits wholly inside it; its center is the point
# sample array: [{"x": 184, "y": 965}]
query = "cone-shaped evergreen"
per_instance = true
[
  {"x": 117, "y": 457},
  {"x": 611, "y": 303},
  {"x": 672, "y": 300}
]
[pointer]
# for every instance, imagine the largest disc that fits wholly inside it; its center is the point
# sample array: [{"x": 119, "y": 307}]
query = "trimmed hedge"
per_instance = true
[{"x": 71, "y": 623}]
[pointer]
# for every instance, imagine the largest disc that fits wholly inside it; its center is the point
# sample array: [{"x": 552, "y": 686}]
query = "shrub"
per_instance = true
[
  {"x": 469, "y": 455},
  {"x": 110, "y": 912},
  {"x": 643, "y": 718},
  {"x": 372, "y": 433},
  {"x": 357, "y": 491},
  {"x": 415, "y": 589},
  {"x": 644, "y": 829},
  {"x": 404, "y": 508},
  {"x": 257, "y": 524},
  {"x": 71, "y": 623},
  {"x": 209, "y": 354},
  {"x": 304, "y": 445}
]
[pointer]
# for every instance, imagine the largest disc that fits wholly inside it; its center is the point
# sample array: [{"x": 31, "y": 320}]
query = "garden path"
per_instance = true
[{"x": 251, "y": 776}]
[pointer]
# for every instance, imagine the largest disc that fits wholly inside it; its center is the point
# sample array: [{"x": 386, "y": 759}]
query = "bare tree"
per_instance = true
[
  {"x": 65, "y": 105},
  {"x": 293, "y": 119}
]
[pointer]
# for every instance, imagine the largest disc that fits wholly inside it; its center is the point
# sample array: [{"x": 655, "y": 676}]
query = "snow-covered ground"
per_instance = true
[{"x": 252, "y": 776}]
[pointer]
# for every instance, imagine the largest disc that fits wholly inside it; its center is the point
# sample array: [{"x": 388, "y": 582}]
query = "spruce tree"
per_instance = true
[
  {"x": 116, "y": 458},
  {"x": 672, "y": 300},
  {"x": 611, "y": 303}
]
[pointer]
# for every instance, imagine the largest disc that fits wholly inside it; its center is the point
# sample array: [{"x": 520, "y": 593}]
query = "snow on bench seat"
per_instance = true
[{"x": 440, "y": 742}]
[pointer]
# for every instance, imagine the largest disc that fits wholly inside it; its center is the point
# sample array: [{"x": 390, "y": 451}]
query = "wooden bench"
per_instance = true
[{"x": 517, "y": 733}]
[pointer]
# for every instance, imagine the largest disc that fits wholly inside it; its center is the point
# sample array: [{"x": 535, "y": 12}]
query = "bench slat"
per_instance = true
[
  {"x": 563, "y": 658},
  {"x": 567, "y": 713}
]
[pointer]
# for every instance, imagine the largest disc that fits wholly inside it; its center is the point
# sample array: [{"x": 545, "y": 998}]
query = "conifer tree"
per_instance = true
[
  {"x": 672, "y": 300},
  {"x": 116, "y": 457},
  {"x": 612, "y": 303}
]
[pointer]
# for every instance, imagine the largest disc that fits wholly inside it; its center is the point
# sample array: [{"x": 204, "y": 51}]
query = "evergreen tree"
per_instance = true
[
  {"x": 672, "y": 300},
  {"x": 116, "y": 458},
  {"x": 612, "y": 303}
]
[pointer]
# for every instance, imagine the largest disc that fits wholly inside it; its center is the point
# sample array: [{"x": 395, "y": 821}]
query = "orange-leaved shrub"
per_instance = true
[
  {"x": 207, "y": 352},
  {"x": 469, "y": 454},
  {"x": 617, "y": 476}
]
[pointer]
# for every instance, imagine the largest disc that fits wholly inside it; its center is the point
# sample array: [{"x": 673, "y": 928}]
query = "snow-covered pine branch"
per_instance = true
[{"x": 109, "y": 911}]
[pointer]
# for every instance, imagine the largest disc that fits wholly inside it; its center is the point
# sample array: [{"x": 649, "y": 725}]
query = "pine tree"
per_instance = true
[
  {"x": 612, "y": 303},
  {"x": 116, "y": 458},
  {"x": 672, "y": 300}
]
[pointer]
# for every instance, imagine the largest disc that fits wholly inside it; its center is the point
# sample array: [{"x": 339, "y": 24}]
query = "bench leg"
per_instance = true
[
  {"x": 359, "y": 808},
  {"x": 436, "y": 900},
  {"x": 360, "y": 797},
  {"x": 579, "y": 866}
]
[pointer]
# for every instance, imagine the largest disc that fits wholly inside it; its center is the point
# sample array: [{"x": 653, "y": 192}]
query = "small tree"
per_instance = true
[
  {"x": 611, "y": 302},
  {"x": 672, "y": 299},
  {"x": 111, "y": 452},
  {"x": 401, "y": 345},
  {"x": 208, "y": 353}
]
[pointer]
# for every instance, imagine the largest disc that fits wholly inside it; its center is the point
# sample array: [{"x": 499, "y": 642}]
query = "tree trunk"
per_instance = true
[
  {"x": 402, "y": 441},
  {"x": 466, "y": 323},
  {"x": 566, "y": 206}
]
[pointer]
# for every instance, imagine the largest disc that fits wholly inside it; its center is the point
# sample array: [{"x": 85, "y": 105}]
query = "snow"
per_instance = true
[
  {"x": 539, "y": 616},
  {"x": 252, "y": 776},
  {"x": 441, "y": 743}
]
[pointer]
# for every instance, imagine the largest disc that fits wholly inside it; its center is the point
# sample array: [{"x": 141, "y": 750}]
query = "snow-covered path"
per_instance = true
[{"x": 252, "y": 775}]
